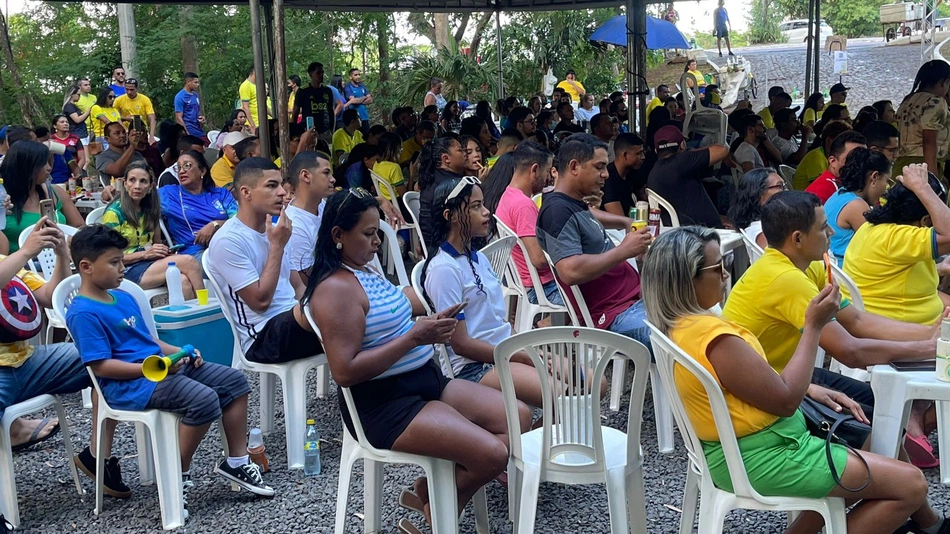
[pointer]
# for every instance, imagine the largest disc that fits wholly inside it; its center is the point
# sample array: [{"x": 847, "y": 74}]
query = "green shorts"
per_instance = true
[{"x": 781, "y": 460}]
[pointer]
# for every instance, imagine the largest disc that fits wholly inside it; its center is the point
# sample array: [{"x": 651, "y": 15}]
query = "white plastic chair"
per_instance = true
[
  {"x": 787, "y": 172},
  {"x": 45, "y": 264},
  {"x": 717, "y": 503},
  {"x": 526, "y": 311},
  {"x": 751, "y": 247},
  {"x": 212, "y": 136},
  {"x": 9, "y": 507},
  {"x": 161, "y": 462},
  {"x": 656, "y": 201},
  {"x": 440, "y": 475},
  {"x": 411, "y": 200},
  {"x": 662, "y": 413},
  {"x": 394, "y": 263},
  {"x": 293, "y": 378},
  {"x": 573, "y": 447},
  {"x": 852, "y": 292},
  {"x": 382, "y": 185},
  {"x": 499, "y": 256},
  {"x": 95, "y": 216}
]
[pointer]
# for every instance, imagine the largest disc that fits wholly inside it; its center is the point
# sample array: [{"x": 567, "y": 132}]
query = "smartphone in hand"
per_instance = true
[
  {"x": 310, "y": 123},
  {"x": 48, "y": 210},
  {"x": 458, "y": 310}
]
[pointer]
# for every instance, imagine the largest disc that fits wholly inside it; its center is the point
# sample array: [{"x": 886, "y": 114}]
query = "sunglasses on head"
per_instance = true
[{"x": 465, "y": 181}]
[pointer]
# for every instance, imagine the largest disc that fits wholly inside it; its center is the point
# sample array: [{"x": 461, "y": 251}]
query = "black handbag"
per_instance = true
[{"x": 836, "y": 427}]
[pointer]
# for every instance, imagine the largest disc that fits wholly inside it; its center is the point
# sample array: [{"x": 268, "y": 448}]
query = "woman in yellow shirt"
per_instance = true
[
  {"x": 891, "y": 258},
  {"x": 103, "y": 112},
  {"x": 814, "y": 107},
  {"x": 697, "y": 76},
  {"x": 683, "y": 276}
]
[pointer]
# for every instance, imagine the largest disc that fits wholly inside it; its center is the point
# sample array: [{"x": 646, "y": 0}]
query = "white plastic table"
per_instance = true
[{"x": 894, "y": 392}]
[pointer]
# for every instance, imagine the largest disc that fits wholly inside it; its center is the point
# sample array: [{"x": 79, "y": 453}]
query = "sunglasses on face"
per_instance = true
[
  {"x": 465, "y": 181},
  {"x": 357, "y": 192},
  {"x": 721, "y": 267}
]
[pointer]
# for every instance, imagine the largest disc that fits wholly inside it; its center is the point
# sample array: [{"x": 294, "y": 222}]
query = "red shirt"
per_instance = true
[{"x": 824, "y": 186}]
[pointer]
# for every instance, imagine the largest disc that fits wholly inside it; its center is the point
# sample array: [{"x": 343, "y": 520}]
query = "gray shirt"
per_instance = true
[{"x": 108, "y": 157}]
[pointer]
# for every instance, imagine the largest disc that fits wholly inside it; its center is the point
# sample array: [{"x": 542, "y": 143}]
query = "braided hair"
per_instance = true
[{"x": 431, "y": 159}]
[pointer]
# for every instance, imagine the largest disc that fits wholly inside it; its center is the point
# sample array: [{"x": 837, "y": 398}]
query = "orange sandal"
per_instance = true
[{"x": 920, "y": 451}]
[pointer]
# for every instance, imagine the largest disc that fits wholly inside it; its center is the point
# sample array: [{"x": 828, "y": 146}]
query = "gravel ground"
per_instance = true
[{"x": 49, "y": 504}]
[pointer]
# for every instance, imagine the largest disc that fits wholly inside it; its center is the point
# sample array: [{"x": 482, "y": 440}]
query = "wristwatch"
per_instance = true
[{"x": 216, "y": 224}]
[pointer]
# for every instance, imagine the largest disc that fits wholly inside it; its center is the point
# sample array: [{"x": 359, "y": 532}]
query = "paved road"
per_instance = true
[{"x": 876, "y": 72}]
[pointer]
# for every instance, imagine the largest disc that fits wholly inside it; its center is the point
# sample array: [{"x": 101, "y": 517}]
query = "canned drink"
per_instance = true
[{"x": 654, "y": 222}]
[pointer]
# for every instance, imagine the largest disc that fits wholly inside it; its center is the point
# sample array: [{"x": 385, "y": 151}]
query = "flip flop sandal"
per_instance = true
[
  {"x": 406, "y": 527},
  {"x": 920, "y": 452},
  {"x": 34, "y": 437},
  {"x": 404, "y": 502}
]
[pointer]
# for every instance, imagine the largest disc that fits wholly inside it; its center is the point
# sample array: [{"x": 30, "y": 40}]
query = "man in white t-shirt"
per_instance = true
[
  {"x": 249, "y": 260},
  {"x": 787, "y": 126},
  {"x": 311, "y": 176},
  {"x": 753, "y": 133}
]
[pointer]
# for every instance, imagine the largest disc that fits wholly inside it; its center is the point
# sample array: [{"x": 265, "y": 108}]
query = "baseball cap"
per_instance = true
[
  {"x": 233, "y": 138},
  {"x": 838, "y": 88},
  {"x": 667, "y": 137},
  {"x": 132, "y": 81}
]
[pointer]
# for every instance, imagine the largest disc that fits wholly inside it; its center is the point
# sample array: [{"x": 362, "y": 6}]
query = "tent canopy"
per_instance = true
[
  {"x": 661, "y": 34},
  {"x": 431, "y": 6}
]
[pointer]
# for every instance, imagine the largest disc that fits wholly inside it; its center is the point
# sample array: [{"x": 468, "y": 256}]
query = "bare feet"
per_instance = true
[{"x": 23, "y": 431}]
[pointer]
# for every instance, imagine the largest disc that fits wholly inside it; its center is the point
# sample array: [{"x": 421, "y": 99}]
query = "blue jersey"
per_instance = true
[
  {"x": 185, "y": 214},
  {"x": 357, "y": 91},
  {"x": 116, "y": 331},
  {"x": 189, "y": 106}
]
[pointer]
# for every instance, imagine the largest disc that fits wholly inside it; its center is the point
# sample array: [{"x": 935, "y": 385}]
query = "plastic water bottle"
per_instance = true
[
  {"x": 173, "y": 281},
  {"x": 311, "y": 450},
  {"x": 3, "y": 198}
]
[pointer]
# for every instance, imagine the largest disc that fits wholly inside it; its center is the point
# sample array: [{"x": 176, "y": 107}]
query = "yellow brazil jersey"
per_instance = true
[
  {"x": 569, "y": 89},
  {"x": 392, "y": 173},
  {"x": 694, "y": 334},
  {"x": 111, "y": 114},
  {"x": 770, "y": 301},
  {"x": 812, "y": 165},
  {"x": 84, "y": 104},
  {"x": 141, "y": 105},
  {"x": 893, "y": 266},
  {"x": 14, "y": 354},
  {"x": 344, "y": 142}
]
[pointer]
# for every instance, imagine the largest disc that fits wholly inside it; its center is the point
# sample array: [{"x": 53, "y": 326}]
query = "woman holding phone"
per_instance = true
[
  {"x": 25, "y": 171},
  {"x": 374, "y": 348},
  {"x": 136, "y": 215}
]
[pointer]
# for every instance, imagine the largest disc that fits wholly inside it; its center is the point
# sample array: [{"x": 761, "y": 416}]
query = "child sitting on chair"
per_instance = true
[{"x": 114, "y": 340}]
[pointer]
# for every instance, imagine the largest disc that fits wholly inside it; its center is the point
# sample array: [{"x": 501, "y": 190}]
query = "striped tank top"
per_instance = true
[{"x": 389, "y": 316}]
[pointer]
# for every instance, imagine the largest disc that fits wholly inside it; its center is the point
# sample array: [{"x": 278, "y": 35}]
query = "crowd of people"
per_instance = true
[{"x": 302, "y": 229}]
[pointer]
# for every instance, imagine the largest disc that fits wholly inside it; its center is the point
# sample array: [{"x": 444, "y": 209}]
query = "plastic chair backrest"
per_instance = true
[
  {"x": 787, "y": 172},
  {"x": 515, "y": 276},
  {"x": 382, "y": 185},
  {"x": 656, "y": 201},
  {"x": 751, "y": 247},
  {"x": 667, "y": 354},
  {"x": 411, "y": 200},
  {"x": 45, "y": 261},
  {"x": 213, "y": 136},
  {"x": 571, "y": 397},
  {"x": 395, "y": 255},
  {"x": 499, "y": 254},
  {"x": 165, "y": 235},
  {"x": 238, "y": 353},
  {"x": 95, "y": 216},
  {"x": 442, "y": 354},
  {"x": 580, "y": 315},
  {"x": 850, "y": 288}
]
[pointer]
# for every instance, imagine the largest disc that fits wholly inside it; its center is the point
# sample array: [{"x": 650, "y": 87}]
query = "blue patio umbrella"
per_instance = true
[{"x": 661, "y": 34}]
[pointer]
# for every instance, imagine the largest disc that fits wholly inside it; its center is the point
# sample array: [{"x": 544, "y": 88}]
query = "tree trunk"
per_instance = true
[
  {"x": 28, "y": 106},
  {"x": 383, "y": 31},
  {"x": 441, "y": 31},
  {"x": 460, "y": 32},
  {"x": 479, "y": 33},
  {"x": 189, "y": 48}
]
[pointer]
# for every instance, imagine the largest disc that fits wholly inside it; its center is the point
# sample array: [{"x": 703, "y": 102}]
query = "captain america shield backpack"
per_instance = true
[{"x": 20, "y": 316}]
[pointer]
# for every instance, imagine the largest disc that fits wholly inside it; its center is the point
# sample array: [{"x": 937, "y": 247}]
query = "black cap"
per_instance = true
[
  {"x": 132, "y": 82},
  {"x": 838, "y": 88}
]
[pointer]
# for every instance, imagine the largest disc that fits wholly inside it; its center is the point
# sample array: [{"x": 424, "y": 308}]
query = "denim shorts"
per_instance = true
[
  {"x": 52, "y": 369},
  {"x": 474, "y": 372},
  {"x": 632, "y": 323},
  {"x": 551, "y": 292}
]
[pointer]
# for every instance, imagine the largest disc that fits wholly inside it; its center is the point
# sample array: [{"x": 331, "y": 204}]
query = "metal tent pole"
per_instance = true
[
  {"x": 257, "y": 49},
  {"x": 817, "y": 49},
  {"x": 637, "y": 90},
  {"x": 280, "y": 77},
  {"x": 808, "y": 53},
  {"x": 501, "y": 78}
]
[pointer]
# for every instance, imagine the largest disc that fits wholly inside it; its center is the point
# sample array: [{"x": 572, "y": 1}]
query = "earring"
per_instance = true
[{"x": 339, "y": 246}]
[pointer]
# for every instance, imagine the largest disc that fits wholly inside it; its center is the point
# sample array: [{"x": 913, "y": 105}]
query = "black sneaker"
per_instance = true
[
  {"x": 5, "y": 526},
  {"x": 113, "y": 485},
  {"x": 911, "y": 527},
  {"x": 248, "y": 476}
]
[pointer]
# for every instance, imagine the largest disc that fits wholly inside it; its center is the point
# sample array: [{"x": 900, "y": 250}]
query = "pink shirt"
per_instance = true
[{"x": 520, "y": 213}]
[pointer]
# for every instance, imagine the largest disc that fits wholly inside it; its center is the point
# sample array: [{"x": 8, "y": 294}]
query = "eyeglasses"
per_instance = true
[
  {"x": 465, "y": 181},
  {"x": 187, "y": 166},
  {"x": 529, "y": 121},
  {"x": 721, "y": 267},
  {"x": 781, "y": 187}
]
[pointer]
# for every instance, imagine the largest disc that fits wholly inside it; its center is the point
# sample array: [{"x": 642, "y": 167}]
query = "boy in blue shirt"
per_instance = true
[{"x": 114, "y": 340}]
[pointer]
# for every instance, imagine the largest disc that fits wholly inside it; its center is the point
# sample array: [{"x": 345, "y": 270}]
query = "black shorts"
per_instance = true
[
  {"x": 859, "y": 391},
  {"x": 387, "y": 406},
  {"x": 283, "y": 340}
]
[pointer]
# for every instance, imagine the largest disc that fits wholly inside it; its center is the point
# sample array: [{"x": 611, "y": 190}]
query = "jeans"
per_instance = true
[
  {"x": 551, "y": 292},
  {"x": 52, "y": 369},
  {"x": 632, "y": 323}
]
